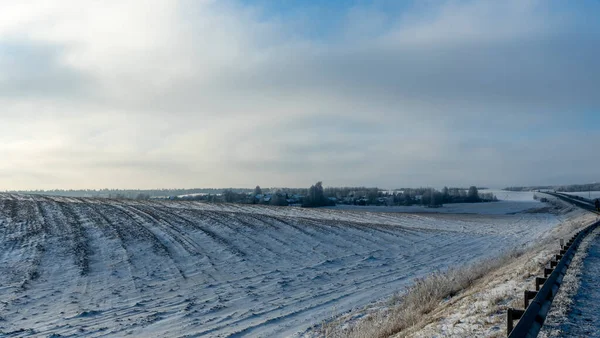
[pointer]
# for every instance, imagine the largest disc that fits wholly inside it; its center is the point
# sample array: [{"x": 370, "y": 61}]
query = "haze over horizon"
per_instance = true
[{"x": 149, "y": 94}]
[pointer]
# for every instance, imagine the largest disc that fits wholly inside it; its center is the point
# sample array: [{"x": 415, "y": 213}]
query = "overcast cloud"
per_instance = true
[{"x": 153, "y": 93}]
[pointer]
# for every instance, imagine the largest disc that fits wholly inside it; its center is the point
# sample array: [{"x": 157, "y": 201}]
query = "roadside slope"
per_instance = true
[
  {"x": 484, "y": 291},
  {"x": 481, "y": 309}
]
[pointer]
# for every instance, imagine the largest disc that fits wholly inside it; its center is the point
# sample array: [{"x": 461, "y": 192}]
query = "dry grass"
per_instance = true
[{"x": 422, "y": 297}]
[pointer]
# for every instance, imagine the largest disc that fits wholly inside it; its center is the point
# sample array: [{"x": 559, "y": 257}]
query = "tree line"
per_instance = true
[
  {"x": 314, "y": 196},
  {"x": 317, "y": 196}
]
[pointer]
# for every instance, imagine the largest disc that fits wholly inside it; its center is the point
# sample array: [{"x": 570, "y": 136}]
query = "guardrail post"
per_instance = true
[
  {"x": 562, "y": 242},
  {"x": 528, "y": 295},
  {"x": 539, "y": 281},
  {"x": 511, "y": 315},
  {"x": 547, "y": 272}
]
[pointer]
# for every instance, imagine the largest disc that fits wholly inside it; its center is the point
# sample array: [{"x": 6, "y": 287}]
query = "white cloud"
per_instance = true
[{"x": 206, "y": 93}]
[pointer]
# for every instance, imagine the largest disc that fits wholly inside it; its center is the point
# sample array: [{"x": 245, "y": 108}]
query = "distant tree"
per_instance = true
[
  {"x": 445, "y": 195},
  {"x": 229, "y": 195},
  {"x": 257, "y": 190},
  {"x": 490, "y": 197},
  {"x": 408, "y": 199},
  {"x": 372, "y": 195},
  {"x": 437, "y": 198},
  {"x": 473, "y": 194},
  {"x": 316, "y": 197},
  {"x": 315, "y": 194},
  {"x": 141, "y": 196},
  {"x": 432, "y": 198},
  {"x": 279, "y": 199}
]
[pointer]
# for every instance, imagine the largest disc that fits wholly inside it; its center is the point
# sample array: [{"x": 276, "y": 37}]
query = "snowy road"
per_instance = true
[
  {"x": 90, "y": 267},
  {"x": 583, "y": 318}
]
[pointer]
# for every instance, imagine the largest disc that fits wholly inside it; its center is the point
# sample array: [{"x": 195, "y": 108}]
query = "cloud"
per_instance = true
[
  {"x": 223, "y": 93},
  {"x": 33, "y": 70}
]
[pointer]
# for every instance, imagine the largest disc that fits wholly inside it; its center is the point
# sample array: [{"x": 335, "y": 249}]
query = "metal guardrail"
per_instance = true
[
  {"x": 532, "y": 318},
  {"x": 578, "y": 201}
]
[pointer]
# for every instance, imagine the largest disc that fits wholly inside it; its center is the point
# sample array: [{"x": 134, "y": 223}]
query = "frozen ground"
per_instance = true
[{"x": 95, "y": 267}]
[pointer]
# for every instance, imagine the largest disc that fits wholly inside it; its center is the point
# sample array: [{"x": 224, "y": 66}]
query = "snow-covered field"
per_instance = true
[{"x": 96, "y": 267}]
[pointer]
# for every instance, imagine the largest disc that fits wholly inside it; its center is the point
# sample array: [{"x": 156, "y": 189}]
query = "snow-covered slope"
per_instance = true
[{"x": 92, "y": 267}]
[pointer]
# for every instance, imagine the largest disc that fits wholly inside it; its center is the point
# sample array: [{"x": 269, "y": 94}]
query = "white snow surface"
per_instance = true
[{"x": 99, "y": 268}]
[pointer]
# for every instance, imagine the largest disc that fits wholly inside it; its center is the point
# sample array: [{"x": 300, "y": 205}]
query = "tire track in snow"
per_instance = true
[
  {"x": 322, "y": 241},
  {"x": 81, "y": 247},
  {"x": 159, "y": 247},
  {"x": 219, "y": 239},
  {"x": 20, "y": 262},
  {"x": 356, "y": 286},
  {"x": 274, "y": 249},
  {"x": 183, "y": 236},
  {"x": 111, "y": 229},
  {"x": 157, "y": 229},
  {"x": 179, "y": 230},
  {"x": 62, "y": 245},
  {"x": 321, "y": 300}
]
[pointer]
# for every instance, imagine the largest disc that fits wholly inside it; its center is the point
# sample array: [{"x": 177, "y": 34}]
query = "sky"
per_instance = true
[{"x": 234, "y": 93}]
